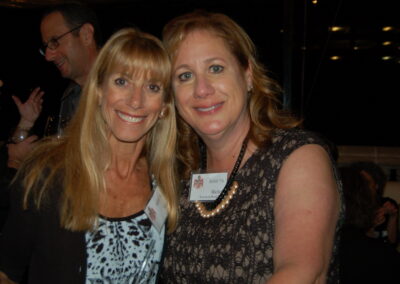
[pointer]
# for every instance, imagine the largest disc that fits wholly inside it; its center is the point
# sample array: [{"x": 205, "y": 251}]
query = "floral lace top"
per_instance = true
[{"x": 236, "y": 246}]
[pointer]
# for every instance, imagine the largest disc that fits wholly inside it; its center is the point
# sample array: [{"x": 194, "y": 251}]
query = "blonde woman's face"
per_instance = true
[
  {"x": 130, "y": 106},
  {"x": 210, "y": 87}
]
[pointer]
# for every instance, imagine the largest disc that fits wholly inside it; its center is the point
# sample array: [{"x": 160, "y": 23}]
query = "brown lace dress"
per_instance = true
[{"x": 236, "y": 246}]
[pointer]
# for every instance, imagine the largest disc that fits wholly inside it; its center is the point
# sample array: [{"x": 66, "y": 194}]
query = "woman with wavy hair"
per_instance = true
[
  {"x": 261, "y": 201},
  {"x": 78, "y": 206}
]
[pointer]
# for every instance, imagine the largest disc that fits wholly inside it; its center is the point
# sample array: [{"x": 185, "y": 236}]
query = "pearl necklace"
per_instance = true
[
  {"x": 225, "y": 196},
  {"x": 211, "y": 213}
]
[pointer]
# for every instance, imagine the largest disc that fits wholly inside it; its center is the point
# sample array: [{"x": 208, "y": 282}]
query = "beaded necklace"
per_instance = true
[{"x": 210, "y": 209}]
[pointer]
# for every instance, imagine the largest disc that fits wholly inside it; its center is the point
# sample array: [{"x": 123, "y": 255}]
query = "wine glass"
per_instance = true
[{"x": 55, "y": 126}]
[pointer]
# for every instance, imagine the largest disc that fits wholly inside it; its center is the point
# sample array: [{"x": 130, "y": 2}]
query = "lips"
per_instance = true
[
  {"x": 60, "y": 64},
  {"x": 129, "y": 118},
  {"x": 210, "y": 108}
]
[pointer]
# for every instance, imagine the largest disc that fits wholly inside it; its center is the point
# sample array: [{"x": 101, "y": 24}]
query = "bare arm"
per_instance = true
[
  {"x": 18, "y": 152},
  {"x": 306, "y": 213}
]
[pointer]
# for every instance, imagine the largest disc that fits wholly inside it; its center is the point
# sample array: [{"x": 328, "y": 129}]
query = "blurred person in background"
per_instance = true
[
  {"x": 385, "y": 226},
  {"x": 364, "y": 259}
]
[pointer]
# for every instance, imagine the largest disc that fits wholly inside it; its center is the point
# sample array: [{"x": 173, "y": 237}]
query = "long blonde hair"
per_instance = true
[
  {"x": 263, "y": 106},
  {"x": 78, "y": 161}
]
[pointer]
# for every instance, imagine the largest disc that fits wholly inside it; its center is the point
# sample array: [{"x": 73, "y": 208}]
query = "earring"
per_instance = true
[
  {"x": 250, "y": 89},
  {"x": 161, "y": 115}
]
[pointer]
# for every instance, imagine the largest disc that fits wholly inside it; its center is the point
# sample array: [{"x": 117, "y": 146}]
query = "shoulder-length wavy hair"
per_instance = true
[
  {"x": 83, "y": 156},
  {"x": 263, "y": 106}
]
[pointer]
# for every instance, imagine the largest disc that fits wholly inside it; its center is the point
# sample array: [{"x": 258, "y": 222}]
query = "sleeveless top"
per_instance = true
[
  {"x": 124, "y": 250},
  {"x": 236, "y": 246}
]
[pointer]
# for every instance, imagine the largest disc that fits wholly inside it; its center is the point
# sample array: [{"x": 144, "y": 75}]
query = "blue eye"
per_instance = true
[
  {"x": 184, "y": 76},
  {"x": 154, "y": 88},
  {"x": 120, "y": 82},
  {"x": 216, "y": 68}
]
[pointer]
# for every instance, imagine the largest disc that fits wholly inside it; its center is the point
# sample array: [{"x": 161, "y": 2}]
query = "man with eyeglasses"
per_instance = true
[{"x": 71, "y": 39}]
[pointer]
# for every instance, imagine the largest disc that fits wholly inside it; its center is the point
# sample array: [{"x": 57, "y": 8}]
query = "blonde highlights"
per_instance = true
[{"x": 78, "y": 162}]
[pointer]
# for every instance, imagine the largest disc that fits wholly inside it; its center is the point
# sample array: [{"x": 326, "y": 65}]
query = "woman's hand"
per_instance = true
[{"x": 389, "y": 208}]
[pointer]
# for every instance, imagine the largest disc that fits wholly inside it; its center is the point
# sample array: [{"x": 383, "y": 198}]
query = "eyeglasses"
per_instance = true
[{"x": 53, "y": 42}]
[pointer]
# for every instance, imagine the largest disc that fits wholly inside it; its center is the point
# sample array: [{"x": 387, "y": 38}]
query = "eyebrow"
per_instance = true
[{"x": 208, "y": 61}]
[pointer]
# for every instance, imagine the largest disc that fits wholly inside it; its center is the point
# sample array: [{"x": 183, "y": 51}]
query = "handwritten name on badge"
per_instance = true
[{"x": 207, "y": 187}]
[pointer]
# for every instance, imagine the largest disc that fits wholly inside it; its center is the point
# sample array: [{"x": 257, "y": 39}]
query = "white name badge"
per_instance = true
[
  {"x": 207, "y": 187},
  {"x": 156, "y": 209}
]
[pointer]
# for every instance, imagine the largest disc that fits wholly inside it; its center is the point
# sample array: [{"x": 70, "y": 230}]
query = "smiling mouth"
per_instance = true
[
  {"x": 205, "y": 109},
  {"x": 59, "y": 63},
  {"x": 129, "y": 118}
]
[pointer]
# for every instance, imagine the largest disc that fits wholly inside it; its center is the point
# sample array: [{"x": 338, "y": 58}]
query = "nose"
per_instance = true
[
  {"x": 49, "y": 54},
  {"x": 203, "y": 87},
  {"x": 135, "y": 98}
]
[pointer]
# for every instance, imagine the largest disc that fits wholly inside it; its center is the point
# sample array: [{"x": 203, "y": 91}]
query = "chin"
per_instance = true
[
  {"x": 65, "y": 75},
  {"x": 129, "y": 138},
  {"x": 210, "y": 131}
]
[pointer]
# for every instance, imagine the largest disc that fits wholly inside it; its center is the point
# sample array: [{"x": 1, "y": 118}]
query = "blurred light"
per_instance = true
[
  {"x": 386, "y": 58},
  {"x": 387, "y": 28},
  {"x": 335, "y": 57},
  {"x": 336, "y": 28},
  {"x": 315, "y": 2},
  {"x": 386, "y": 43},
  {"x": 356, "y": 48}
]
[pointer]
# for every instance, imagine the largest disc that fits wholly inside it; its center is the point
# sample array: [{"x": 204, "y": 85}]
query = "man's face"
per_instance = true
[{"x": 69, "y": 56}]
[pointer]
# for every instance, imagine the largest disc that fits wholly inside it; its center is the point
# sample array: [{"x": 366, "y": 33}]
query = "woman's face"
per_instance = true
[
  {"x": 210, "y": 87},
  {"x": 130, "y": 106}
]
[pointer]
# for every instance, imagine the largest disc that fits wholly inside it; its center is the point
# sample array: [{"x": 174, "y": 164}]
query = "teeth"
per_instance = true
[
  {"x": 208, "y": 108},
  {"x": 129, "y": 118},
  {"x": 58, "y": 64}
]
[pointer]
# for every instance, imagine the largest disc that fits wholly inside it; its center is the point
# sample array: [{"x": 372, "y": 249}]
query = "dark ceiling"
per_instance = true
[{"x": 352, "y": 100}]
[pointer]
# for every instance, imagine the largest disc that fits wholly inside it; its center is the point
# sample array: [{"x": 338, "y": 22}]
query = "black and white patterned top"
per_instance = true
[
  {"x": 237, "y": 245},
  {"x": 124, "y": 250}
]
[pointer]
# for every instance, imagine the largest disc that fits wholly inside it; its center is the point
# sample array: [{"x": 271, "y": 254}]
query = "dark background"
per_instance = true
[{"x": 352, "y": 101}]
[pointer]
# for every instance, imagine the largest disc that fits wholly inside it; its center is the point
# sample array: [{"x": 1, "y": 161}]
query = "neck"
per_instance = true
[
  {"x": 126, "y": 158},
  {"x": 223, "y": 152},
  {"x": 91, "y": 57}
]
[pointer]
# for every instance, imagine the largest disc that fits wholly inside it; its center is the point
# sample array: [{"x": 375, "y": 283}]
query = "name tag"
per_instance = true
[
  {"x": 207, "y": 187},
  {"x": 156, "y": 209}
]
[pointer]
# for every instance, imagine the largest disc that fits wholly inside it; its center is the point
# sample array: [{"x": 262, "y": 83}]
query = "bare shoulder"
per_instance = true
[{"x": 308, "y": 161}]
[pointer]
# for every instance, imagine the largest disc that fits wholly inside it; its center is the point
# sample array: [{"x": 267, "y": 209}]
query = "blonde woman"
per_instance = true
[{"x": 77, "y": 211}]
